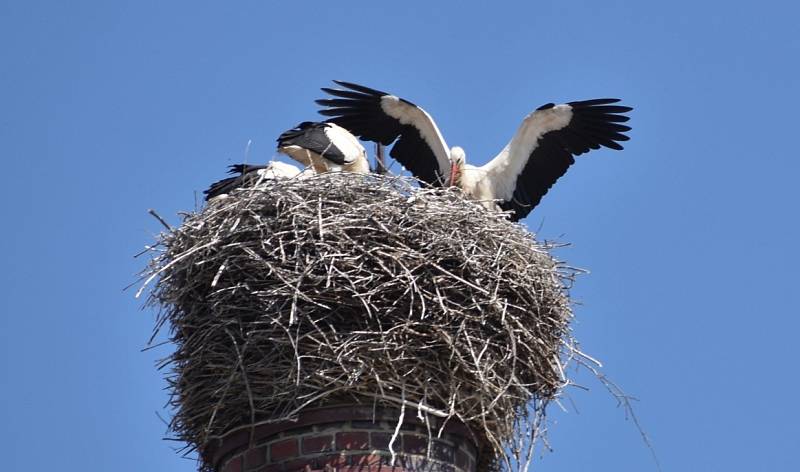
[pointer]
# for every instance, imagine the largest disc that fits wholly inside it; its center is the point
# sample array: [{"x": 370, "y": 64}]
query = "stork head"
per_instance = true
[{"x": 457, "y": 159}]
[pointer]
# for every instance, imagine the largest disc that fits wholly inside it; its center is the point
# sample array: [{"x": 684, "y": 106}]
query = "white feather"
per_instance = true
[
  {"x": 346, "y": 142},
  {"x": 281, "y": 170},
  {"x": 501, "y": 172},
  {"x": 355, "y": 156},
  {"x": 415, "y": 116}
]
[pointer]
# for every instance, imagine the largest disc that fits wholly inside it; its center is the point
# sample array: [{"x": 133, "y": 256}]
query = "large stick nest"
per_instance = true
[{"x": 294, "y": 293}]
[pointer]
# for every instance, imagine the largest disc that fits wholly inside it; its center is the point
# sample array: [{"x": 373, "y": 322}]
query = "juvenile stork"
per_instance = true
[
  {"x": 249, "y": 174},
  {"x": 517, "y": 178},
  {"x": 320, "y": 147},
  {"x": 325, "y": 147}
]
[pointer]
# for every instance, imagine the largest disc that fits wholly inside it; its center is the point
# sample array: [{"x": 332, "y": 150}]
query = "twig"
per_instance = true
[
  {"x": 293, "y": 292},
  {"x": 160, "y": 220}
]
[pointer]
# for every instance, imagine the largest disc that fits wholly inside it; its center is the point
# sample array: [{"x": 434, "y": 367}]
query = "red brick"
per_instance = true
[
  {"x": 216, "y": 450},
  {"x": 219, "y": 449},
  {"x": 352, "y": 441},
  {"x": 234, "y": 465},
  {"x": 298, "y": 465},
  {"x": 317, "y": 444},
  {"x": 333, "y": 461},
  {"x": 368, "y": 460},
  {"x": 255, "y": 457},
  {"x": 282, "y": 450}
]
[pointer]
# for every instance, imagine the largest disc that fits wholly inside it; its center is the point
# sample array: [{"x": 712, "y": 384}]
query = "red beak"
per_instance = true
[{"x": 453, "y": 173}]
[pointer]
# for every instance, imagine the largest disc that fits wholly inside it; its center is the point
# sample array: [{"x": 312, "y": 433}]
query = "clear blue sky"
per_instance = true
[{"x": 691, "y": 234}]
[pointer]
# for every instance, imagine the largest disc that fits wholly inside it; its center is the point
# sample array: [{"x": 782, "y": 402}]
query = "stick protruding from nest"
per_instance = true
[{"x": 345, "y": 287}]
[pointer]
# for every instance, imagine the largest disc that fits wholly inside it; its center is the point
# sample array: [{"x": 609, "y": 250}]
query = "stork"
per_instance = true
[
  {"x": 325, "y": 147},
  {"x": 540, "y": 152},
  {"x": 248, "y": 174},
  {"x": 320, "y": 147}
]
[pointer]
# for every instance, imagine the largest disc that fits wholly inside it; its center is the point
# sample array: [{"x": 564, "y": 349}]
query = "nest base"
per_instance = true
[{"x": 344, "y": 287}]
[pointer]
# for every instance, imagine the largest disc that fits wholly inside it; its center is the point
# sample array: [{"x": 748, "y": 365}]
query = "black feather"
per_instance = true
[
  {"x": 342, "y": 93},
  {"x": 246, "y": 173},
  {"x": 359, "y": 110},
  {"x": 360, "y": 88},
  {"x": 332, "y": 102},
  {"x": 593, "y": 125},
  {"x": 311, "y": 135},
  {"x": 598, "y": 101}
]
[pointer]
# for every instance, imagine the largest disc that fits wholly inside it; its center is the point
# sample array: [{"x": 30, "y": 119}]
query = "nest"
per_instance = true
[{"x": 340, "y": 287}]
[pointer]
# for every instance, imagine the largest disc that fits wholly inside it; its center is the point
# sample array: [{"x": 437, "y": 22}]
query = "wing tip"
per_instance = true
[{"x": 359, "y": 88}]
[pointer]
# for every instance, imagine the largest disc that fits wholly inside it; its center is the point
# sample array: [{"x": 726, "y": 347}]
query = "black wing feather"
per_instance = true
[
  {"x": 593, "y": 125},
  {"x": 311, "y": 135},
  {"x": 359, "y": 111},
  {"x": 246, "y": 172}
]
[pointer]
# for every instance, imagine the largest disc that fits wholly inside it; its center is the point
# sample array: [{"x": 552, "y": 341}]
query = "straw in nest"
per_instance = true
[{"x": 339, "y": 287}]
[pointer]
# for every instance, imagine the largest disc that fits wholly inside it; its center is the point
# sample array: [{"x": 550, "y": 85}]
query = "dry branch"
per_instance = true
[{"x": 361, "y": 288}]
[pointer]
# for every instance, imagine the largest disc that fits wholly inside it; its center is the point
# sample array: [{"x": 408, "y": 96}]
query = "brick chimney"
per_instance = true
[{"x": 347, "y": 439}]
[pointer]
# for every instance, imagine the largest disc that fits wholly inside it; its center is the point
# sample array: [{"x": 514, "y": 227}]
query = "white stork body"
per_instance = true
[
  {"x": 325, "y": 147},
  {"x": 540, "y": 152},
  {"x": 251, "y": 173},
  {"x": 320, "y": 147}
]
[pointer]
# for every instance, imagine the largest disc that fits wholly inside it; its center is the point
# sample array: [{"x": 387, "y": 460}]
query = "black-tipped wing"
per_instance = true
[
  {"x": 545, "y": 145},
  {"x": 377, "y": 116},
  {"x": 246, "y": 173},
  {"x": 249, "y": 175},
  {"x": 313, "y": 136}
]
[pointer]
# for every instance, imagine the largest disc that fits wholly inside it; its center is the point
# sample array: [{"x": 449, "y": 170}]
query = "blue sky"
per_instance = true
[{"x": 110, "y": 108}]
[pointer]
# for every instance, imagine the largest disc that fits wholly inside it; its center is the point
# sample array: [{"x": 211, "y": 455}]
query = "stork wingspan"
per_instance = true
[
  {"x": 377, "y": 116},
  {"x": 545, "y": 145}
]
